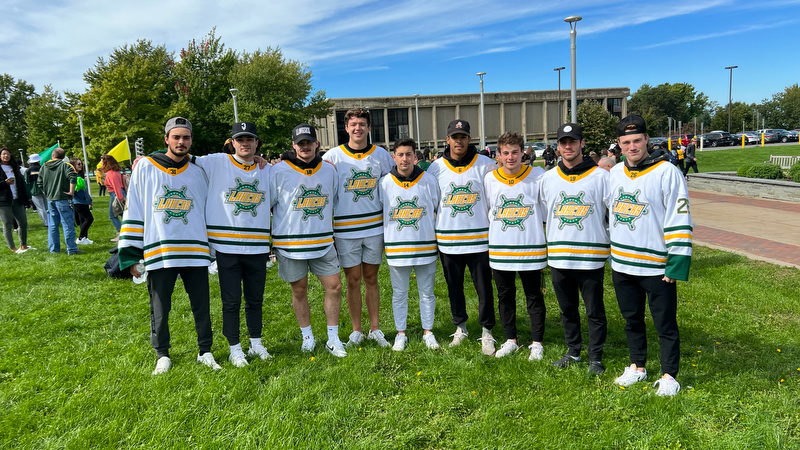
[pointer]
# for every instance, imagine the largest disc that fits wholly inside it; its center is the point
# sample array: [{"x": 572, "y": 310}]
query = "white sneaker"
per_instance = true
[
  {"x": 507, "y": 348},
  {"x": 260, "y": 351},
  {"x": 458, "y": 337},
  {"x": 162, "y": 365},
  {"x": 212, "y": 268},
  {"x": 430, "y": 341},
  {"x": 336, "y": 348},
  {"x": 207, "y": 359},
  {"x": 356, "y": 338},
  {"x": 631, "y": 376},
  {"x": 537, "y": 351},
  {"x": 400, "y": 343},
  {"x": 22, "y": 250},
  {"x": 378, "y": 337},
  {"x": 667, "y": 386},
  {"x": 236, "y": 358},
  {"x": 487, "y": 343},
  {"x": 308, "y": 344}
]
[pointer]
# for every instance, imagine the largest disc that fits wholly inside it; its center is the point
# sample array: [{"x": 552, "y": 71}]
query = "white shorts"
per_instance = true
[
  {"x": 291, "y": 270},
  {"x": 352, "y": 252}
]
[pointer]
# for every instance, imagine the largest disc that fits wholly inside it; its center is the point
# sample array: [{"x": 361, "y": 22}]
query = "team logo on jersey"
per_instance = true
[
  {"x": 361, "y": 184},
  {"x": 174, "y": 204},
  {"x": 407, "y": 213},
  {"x": 512, "y": 212},
  {"x": 310, "y": 201},
  {"x": 460, "y": 199},
  {"x": 572, "y": 210},
  {"x": 627, "y": 208},
  {"x": 245, "y": 197}
]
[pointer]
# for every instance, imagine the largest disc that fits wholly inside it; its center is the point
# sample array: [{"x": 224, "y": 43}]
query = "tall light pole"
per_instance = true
[
  {"x": 560, "y": 108},
  {"x": 21, "y": 158},
  {"x": 730, "y": 91},
  {"x": 234, "y": 91},
  {"x": 483, "y": 135},
  {"x": 573, "y": 33},
  {"x": 85, "y": 160},
  {"x": 416, "y": 107}
]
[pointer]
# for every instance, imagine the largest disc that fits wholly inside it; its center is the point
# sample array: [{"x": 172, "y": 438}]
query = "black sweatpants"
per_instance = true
[
  {"x": 507, "y": 301},
  {"x": 454, "y": 267},
  {"x": 84, "y": 219},
  {"x": 160, "y": 285},
  {"x": 567, "y": 283},
  {"x": 662, "y": 297},
  {"x": 237, "y": 273}
]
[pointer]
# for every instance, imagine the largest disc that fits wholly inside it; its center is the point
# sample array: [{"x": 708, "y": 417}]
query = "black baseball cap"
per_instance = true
[
  {"x": 458, "y": 126},
  {"x": 571, "y": 130},
  {"x": 304, "y": 132},
  {"x": 632, "y": 124},
  {"x": 243, "y": 129}
]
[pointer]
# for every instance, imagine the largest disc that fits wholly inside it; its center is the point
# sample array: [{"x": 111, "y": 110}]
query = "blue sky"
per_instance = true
[{"x": 363, "y": 48}]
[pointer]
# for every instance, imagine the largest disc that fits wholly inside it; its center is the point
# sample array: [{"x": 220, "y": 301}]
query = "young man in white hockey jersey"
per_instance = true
[
  {"x": 462, "y": 230},
  {"x": 303, "y": 190},
  {"x": 410, "y": 198},
  {"x": 516, "y": 241},
  {"x": 651, "y": 248},
  {"x": 238, "y": 222},
  {"x": 575, "y": 198},
  {"x": 164, "y": 224},
  {"x": 358, "y": 223}
]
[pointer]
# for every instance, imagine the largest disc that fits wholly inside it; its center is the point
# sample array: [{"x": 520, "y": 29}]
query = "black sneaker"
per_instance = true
[
  {"x": 596, "y": 368},
  {"x": 566, "y": 360}
]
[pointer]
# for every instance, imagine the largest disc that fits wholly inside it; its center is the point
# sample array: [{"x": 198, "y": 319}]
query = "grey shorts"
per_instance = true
[
  {"x": 352, "y": 252},
  {"x": 291, "y": 270}
]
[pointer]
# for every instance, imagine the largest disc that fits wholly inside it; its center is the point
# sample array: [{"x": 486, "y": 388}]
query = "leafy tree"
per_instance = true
[
  {"x": 598, "y": 125},
  {"x": 45, "y": 117},
  {"x": 679, "y": 101},
  {"x": 783, "y": 111},
  {"x": 129, "y": 95},
  {"x": 15, "y": 96},
  {"x": 739, "y": 111},
  {"x": 276, "y": 94},
  {"x": 202, "y": 86}
]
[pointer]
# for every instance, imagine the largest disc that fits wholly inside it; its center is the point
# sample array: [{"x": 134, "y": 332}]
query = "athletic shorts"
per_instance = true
[
  {"x": 352, "y": 252},
  {"x": 291, "y": 270}
]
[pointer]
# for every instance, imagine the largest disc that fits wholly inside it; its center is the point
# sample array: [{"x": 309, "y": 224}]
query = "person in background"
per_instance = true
[
  {"x": 57, "y": 180},
  {"x": 82, "y": 204},
  {"x": 117, "y": 188},
  {"x": 37, "y": 196},
  {"x": 13, "y": 200},
  {"x": 98, "y": 176},
  {"x": 691, "y": 159},
  {"x": 606, "y": 162}
]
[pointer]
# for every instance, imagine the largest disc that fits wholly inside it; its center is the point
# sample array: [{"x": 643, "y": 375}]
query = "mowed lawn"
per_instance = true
[
  {"x": 729, "y": 159},
  {"x": 75, "y": 363}
]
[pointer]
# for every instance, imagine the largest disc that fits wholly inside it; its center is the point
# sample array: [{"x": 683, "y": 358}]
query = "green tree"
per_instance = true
[
  {"x": 598, "y": 126},
  {"x": 129, "y": 95},
  {"x": 45, "y": 117},
  {"x": 202, "y": 86},
  {"x": 783, "y": 111},
  {"x": 276, "y": 94},
  {"x": 739, "y": 112},
  {"x": 679, "y": 101},
  {"x": 15, "y": 96}
]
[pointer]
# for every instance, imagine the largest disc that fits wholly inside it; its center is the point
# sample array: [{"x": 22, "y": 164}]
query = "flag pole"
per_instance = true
[{"x": 128, "y": 145}]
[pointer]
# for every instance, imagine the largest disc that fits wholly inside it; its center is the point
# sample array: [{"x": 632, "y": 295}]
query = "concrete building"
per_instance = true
[{"x": 535, "y": 114}]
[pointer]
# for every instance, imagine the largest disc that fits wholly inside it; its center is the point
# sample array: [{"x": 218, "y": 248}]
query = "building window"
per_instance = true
[
  {"x": 398, "y": 124},
  {"x": 614, "y": 106},
  {"x": 376, "y": 117},
  {"x": 341, "y": 134}
]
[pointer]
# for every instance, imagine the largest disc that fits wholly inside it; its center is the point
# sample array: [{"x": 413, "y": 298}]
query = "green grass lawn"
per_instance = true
[
  {"x": 731, "y": 158},
  {"x": 75, "y": 363}
]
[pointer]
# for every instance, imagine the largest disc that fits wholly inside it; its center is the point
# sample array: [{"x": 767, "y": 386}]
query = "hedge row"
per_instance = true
[{"x": 765, "y": 171}]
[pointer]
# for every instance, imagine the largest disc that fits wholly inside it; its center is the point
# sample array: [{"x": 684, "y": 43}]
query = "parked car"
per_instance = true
[
  {"x": 749, "y": 138},
  {"x": 538, "y": 147},
  {"x": 770, "y": 135},
  {"x": 786, "y": 135},
  {"x": 717, "y": 139},
  {"x": 658, "y": 142},
  {"x": 793, "y": 135},
  {"x": 680, "y": 139}
]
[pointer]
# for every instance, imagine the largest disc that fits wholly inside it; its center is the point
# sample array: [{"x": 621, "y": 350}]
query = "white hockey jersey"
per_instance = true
[
  {"x": 462, "y": 225},
  {"x": 650, "y": 221},
  {"x": 302, "y": 209},
  {"x": 165, "y": 215},
  {"x": 409, "y": 217},
  {"x": 516, "y": 232},
  {"x": 575, "y": 208},
  {"x": 238, "y": 205},
  {"x": 357, "y": 212}
]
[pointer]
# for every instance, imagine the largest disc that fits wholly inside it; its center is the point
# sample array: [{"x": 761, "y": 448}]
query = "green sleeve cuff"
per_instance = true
[
  {"x": 129, "y": 256},
  {"x": 678, "y": 267}
]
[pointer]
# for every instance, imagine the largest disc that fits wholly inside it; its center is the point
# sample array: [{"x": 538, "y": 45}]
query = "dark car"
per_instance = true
[
  {"x": 770, "y": 135},
  {"x": 717, "y": 139},
  {"x": 658, "y": 142}
]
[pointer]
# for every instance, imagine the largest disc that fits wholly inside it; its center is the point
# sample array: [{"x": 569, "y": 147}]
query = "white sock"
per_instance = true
[
  {"x": 236, "y": 348},
  {"x": 307, "y": 334},
  {"x": 333, "y": 333},
  {"x": 255, "y": 342}
]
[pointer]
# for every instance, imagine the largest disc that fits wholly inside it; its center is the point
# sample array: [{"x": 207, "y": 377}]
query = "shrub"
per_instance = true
[
  {"x": 743, "y": 170},
  {"x": 794, "y": 172},
  {"x": 765, "y": 171}
]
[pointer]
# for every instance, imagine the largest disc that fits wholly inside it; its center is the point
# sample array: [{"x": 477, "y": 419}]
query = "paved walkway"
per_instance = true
[{"x": 767, "y": 230}]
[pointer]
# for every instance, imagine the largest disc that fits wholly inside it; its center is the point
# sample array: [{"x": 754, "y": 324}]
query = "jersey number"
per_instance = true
[{"x": 683, "y": 206}]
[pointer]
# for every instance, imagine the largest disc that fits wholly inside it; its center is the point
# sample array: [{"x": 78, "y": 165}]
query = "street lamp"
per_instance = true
[
  {"x": 416, "y": 106},
  {"x": 573, "y": 33},
  {"x": 85, "y": 160},
  {"x": 560, "y": 109},
  {"x": 21, "y": 158},
  {"x": 235, "y": 110},
  {"x": 730, "y": 91},
  {"x": 483, "y": 136}
]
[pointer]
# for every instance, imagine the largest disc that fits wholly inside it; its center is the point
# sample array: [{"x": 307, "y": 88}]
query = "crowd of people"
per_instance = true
[{"x": 358, "y": 204}]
